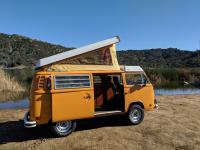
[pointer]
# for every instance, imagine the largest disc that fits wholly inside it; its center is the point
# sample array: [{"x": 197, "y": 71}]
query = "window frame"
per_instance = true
[
  {"x": 78, "y": 87},
  {"x": 138, "y": 73}
]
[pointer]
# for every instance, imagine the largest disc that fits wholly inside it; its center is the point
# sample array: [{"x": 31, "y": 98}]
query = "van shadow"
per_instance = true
[
  {"x": 107, "y": 121},
  {"x": 14, "y": 131}
]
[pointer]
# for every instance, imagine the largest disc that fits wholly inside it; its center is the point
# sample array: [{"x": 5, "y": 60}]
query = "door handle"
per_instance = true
[{"x": 87, "y": 96}]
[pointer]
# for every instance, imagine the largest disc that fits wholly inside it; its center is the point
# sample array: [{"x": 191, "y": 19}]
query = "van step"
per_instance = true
[{"x": 100, "y": 113}]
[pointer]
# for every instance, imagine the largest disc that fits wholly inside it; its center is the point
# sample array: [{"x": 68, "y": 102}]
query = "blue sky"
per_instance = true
[{"x": 141, "y": 24}]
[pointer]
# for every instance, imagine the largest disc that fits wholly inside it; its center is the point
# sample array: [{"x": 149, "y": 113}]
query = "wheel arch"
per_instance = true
[{"x": 136, "y": 103}]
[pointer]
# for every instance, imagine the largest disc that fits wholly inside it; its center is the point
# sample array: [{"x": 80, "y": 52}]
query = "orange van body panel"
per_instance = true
[
  {"x": 140, "y": 94},
  {"x": 70, "y": 105}
]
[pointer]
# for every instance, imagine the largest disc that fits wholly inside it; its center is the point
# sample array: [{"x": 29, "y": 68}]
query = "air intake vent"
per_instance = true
[{"x": 41, "y": 82}]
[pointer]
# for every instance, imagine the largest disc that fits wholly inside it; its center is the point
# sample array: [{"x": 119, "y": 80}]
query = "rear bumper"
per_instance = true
[{"x": 27, "y": 122}]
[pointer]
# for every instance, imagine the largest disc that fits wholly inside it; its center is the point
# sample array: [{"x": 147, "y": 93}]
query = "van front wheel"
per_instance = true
[
  {"x": 136, "y": 114},
  {"x": 63, "y": 128}
]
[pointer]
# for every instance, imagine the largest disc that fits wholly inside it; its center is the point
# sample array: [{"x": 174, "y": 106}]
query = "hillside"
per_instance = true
[
  {"x": 18, "y": 50},
  {"x": 170, "y": 57}
]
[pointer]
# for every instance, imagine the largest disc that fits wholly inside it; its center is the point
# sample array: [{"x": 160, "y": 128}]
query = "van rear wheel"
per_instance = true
[
  {"x": 63, "y": 128},
  {"x": 136, "y": 114}
]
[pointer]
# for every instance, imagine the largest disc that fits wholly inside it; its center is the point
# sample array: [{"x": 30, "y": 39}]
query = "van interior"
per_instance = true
[{"x": 108, "y": 94}]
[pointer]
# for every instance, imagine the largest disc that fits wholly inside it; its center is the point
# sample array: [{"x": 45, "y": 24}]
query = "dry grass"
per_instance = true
[
  {"x": 8, "y": 83},
  {"x": 6, "y": 96}
]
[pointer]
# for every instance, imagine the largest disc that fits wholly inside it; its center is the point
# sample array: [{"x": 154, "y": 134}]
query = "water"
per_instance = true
[
  {"x": 177, "y": 91},
  {"x": 23, "y": 103}
]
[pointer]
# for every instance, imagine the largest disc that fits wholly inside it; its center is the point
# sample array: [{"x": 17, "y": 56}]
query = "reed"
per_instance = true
[
  {"x": 174, "y": 77},
  {"x": 8, "y": 83}
]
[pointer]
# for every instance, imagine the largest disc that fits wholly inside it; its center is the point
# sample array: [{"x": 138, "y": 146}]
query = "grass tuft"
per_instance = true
[{"x": 8, "y": 83}]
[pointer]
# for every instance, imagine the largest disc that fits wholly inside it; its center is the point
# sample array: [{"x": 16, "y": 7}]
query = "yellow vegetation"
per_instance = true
[{"x": 8, "y": 83}]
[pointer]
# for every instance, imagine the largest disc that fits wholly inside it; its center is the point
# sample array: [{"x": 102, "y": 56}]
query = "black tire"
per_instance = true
[
  {"x": 63, "y": 128},
  {"x": 135, "y": 114}
]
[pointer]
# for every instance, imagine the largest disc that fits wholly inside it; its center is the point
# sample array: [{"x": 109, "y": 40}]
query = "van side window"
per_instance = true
[
  {"x": 72, "y": 81},
  {"x": 133, "y": 78}
]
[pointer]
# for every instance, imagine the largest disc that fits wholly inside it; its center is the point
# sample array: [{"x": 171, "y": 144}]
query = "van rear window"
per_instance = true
[{"x": 72, "y": 81}]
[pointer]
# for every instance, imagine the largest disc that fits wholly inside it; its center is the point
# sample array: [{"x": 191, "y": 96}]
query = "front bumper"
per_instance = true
[{"x": 27, "y": 122}]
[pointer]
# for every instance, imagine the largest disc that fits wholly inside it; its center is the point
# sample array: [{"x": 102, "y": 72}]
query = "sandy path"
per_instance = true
[{"x": 176, "y": 125}]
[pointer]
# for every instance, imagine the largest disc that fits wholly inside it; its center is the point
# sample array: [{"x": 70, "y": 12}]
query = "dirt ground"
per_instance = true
[{"x": 175, "y": 125}]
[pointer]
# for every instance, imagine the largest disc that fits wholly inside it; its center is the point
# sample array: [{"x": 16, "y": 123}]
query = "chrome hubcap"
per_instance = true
[
  {"x": 135, "y": 115},
  {"x": 64, "y": 126}
]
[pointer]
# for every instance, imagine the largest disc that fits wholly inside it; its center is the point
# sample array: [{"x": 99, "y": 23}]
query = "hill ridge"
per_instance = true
[{"x": 17, "y": 50}]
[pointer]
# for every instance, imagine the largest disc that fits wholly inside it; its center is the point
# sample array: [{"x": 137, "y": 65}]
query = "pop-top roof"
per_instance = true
[{"x": 75, "y": 52}]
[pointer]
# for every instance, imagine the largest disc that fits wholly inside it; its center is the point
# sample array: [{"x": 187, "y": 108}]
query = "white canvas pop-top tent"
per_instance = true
[{"x": 97, "y": 56}]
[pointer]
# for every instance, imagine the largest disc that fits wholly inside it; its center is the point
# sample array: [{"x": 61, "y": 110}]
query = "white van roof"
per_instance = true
[
  {"x": 75, "y": 52},
  {"x": 133, "y": 69}
]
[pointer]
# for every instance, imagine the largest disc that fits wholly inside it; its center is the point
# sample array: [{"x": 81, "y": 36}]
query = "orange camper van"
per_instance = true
[{"x": 84, "y": 83}]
